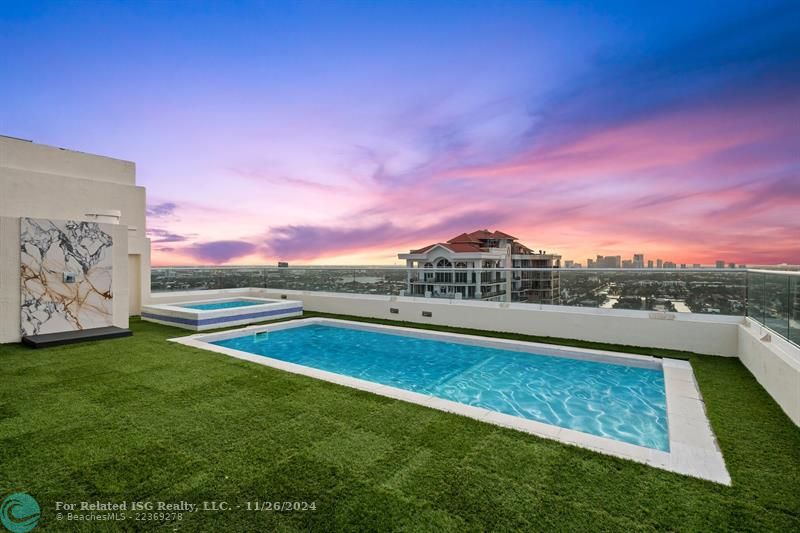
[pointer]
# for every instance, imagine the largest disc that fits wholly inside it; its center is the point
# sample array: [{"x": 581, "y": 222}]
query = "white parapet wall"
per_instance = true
[
  {"x": 706, "y": 334},
  {"x": 775, "y": 363}
]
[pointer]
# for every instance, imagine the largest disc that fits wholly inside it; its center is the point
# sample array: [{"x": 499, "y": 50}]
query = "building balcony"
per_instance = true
[
  {"x": 457, "y": 283},
  {"x": 492, "y": 294}
]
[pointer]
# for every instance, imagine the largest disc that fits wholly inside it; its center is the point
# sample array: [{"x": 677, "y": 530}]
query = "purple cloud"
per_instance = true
[
  {"x": 308, "y": 242},
  {"x": 161, "y": 210},
  {"x": 305, "y": 242},
  {"x": 162, "y": 235},
  {"x": 216, "y": 252}
]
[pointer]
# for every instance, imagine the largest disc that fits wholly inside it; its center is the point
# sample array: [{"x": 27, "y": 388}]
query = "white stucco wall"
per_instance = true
[
  {"x": 41, "y": 181},
  {"x": 775, "y": 363},
  {"x": 43, "y": 159},
  {"x": 9, "y": 279},
  {"x": 44, "y": 182},
  {"x": 119, "y": 282}
]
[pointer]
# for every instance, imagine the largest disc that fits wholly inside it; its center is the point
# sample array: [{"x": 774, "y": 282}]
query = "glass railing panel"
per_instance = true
[
  {"x": 677, "y": 291},
  {"x": 313, "y": 279},
  {"x": 281, "y": 278},
  {"x": 794, "y": 309},
  {"x": 756, "y": 296},
  {"x": 379, "y": 281},
  {"x": 776, "y": 304},
  {"x": 205, "y": 278}
]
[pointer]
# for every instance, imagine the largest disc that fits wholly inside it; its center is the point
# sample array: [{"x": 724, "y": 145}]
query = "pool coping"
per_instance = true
[{"x": 693, "y": 447}]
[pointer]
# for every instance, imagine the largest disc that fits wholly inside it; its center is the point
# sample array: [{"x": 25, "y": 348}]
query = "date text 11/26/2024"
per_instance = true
[{"x": 187, "y": 507}]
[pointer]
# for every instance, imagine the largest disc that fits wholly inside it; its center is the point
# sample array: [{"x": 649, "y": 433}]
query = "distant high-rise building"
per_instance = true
[
  {"x": 683, "y": 265},
  {"x": 696, "y": 265},
  {"x": 731, "y": 265},
  {"x": 458, "y": 270},
  {"x": 638, "y": 260},
  {"x": 659, "y": 263},
  {"x": 609, "y": 261},
  {"x": 569, "y": 263},
  {"x": 720, "y": 264},
  {"x": 627, "y": 263},
  {"x": 669, "y": 264},
  {"x": 590, "y": 263},
  {"x": 649, "y": 263}
]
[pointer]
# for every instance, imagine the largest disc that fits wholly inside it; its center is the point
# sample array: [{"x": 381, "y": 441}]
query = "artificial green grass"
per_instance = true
[{"x": 143, "y": 419}]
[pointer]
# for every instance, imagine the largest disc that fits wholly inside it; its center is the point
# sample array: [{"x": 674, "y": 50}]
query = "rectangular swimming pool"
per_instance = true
[
  {"x": 617, "y": 401},
  {"x": 635, "y": 407}
]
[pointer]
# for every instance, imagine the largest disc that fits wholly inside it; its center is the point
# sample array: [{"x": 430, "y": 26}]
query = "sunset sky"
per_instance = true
[{"x": 345, "y": 132}]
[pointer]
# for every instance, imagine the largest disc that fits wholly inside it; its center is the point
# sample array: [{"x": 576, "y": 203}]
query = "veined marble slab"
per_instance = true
[{"x": 51, "y": 251}]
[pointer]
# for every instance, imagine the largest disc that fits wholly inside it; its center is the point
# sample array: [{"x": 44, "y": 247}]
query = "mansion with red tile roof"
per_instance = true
[{"x": 470, "y": 266}]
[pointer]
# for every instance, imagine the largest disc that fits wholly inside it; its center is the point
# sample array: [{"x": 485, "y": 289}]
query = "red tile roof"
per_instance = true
[
  {"x": 423, "y": 249},
  {"x": 464, "y": 238},
  {"x": 481, "y": 234},
  {"x": 469, "y": 242},
  {"x": 485, "y": 234}
]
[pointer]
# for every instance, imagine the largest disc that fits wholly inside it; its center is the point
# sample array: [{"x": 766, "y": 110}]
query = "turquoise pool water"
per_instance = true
[
  {"x": 211, "y": 306},
  {"x": 611, "y": 400}
]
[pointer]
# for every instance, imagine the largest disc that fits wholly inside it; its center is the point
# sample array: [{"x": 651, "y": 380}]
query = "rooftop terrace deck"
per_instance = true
[{"x": 142, "y": 418}]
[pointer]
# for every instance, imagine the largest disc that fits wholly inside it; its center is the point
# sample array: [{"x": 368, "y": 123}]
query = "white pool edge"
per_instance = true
[{"x": 693, "y": 447}]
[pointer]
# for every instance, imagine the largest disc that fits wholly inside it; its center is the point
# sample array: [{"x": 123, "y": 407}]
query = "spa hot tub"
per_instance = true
[{"x": 201, "y": 315}]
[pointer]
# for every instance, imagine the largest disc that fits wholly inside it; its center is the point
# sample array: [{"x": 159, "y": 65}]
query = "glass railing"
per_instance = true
[
  {"x": 386, "y": 281},
  {"x": 708, "y": 291},
  {"x": 794, "y": 315},
  {"x": 769, "y": 297},
  {"x": 773, "y": 299}
]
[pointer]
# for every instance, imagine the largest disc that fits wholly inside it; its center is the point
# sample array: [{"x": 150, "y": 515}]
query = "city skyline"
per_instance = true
[{"x": 345, "y": 133}]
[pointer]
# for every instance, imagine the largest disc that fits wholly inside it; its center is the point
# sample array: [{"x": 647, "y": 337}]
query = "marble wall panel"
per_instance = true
[{"x": 66, "y": 274}]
